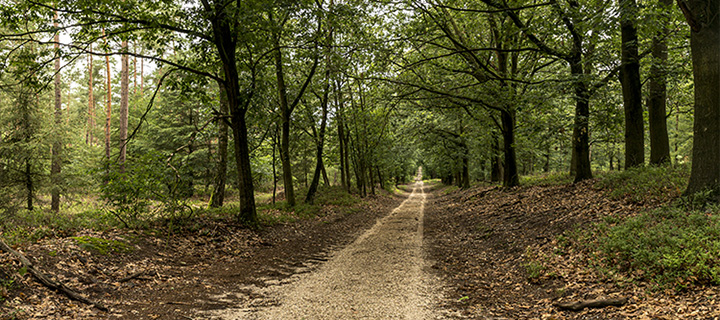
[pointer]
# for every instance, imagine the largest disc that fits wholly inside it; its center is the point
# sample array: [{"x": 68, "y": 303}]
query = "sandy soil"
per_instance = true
[{"x": 381, "y": 275}]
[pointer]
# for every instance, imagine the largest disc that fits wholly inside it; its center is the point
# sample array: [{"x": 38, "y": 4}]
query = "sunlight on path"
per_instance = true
[{"x": 379, "y": 276}]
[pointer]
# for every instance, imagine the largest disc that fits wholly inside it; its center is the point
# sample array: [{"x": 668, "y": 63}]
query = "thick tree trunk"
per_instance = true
[
  {"x": 704, "y": 20},
  {"x": 581, "y": 128},
  {"x": 631, "y": 87},
  {"x": 124, "y": 103},
  {"x": 510, "y": 176},
  {"x": 55, "y": 166},
  {"x": 218, "y": 196},
  {"x": 657, "y": 100}
]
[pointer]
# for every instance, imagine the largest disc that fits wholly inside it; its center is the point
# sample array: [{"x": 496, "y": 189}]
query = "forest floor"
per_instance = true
[{"x": 493, "y": 252}]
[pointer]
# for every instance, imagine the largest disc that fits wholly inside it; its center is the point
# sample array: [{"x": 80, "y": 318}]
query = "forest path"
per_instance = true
[{"x": 379, "y": 276}]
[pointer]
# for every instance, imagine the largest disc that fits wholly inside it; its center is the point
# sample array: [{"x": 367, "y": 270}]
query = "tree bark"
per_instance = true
[
  {"x": 225, "y": 43},
  {"x": 108, "y": 106},
  {"x": 124, "y": 103},
  {"x": 218, "y": 196},
  {"x": 581, "y": 128},
  {"x": 657, "y": 97},
  {"x": 91, "y": 102},
  {"x": 704, "y": 20},
  {"x": 631, "y": 86},
  {"x": 320, "y": 143},
  {"x": 495, "y": 160},
  {"x": 55, "y": 166},
  {"x": 285, "y": 113},
  {"x": 510, "y": 175}
]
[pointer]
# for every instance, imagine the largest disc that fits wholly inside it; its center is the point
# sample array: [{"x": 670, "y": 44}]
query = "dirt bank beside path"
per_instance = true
[{"x": 381, "y": 275}]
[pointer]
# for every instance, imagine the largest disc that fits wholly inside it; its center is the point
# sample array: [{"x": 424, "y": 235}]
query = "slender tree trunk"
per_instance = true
[
  {"x": 91, "y": 102},
  {"x": 57, "y": 143},
  {"x": 274, "y": 162},
  {"x": 108, "y": 106},
  {"x": 320, "y": 143},
  {"x": 704, "y": 20},
  {"x": 135, "y": 69},
  {"x": 218, "y": 196},
  {"x": 124, "y": 103},
  {"x": 285, "y": 113},
  {"x": 631, "y": 87},
  {"x": 495, "y": 160},
  {"x": 659, "y": 141},
  {"x": 142, "y": 75},
  {"x": 29, "y": 186}
]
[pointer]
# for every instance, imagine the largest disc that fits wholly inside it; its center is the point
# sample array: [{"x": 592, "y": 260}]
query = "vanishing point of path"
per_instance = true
[{"x": 379, "y": 276}]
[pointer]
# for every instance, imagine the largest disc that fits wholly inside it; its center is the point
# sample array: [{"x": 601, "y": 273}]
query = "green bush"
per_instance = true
[
  {"x": 669, "y": 246},
  {"x": 646, "y": 183}
]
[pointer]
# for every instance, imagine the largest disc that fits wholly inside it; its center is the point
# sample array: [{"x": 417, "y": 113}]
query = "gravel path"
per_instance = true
[{"x": 379, "y": 276}]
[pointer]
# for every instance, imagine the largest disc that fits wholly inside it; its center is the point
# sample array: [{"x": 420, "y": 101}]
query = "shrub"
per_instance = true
[{"x": 670, "y": 246}]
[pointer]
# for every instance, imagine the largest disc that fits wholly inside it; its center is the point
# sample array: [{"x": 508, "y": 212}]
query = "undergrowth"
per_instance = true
[
  {"x": 670, "y": 246},
  {"x": 674, "y": 246},
  {"x": 654, "y": 183}
]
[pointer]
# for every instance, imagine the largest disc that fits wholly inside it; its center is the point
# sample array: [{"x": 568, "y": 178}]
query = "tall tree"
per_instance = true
[
  {"x": 108, "y": 102},
  {"x": 124, "y": 103},
  {"x": 55, "y": 167},
  {"x": 631, "y": 86},
  {"x": 90, "y": 135},
  {"x": 703, "y": 17},
  {"x": 218, "y": 196},
  {"x": 657, "y": 95},
  {"x": 286, "y": 107}
]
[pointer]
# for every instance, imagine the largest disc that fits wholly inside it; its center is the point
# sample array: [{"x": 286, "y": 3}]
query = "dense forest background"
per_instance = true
[{"x": 145, "y": 109}]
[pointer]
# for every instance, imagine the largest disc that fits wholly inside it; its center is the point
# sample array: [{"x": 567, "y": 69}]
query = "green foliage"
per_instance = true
[
  {"x": 102, "y": 246},
  {"x": 646, "y": 184},
  {"x": 670, "y": 246},
  {"x": 546, "y": 179},
  {"x": 148, "y": 186}
]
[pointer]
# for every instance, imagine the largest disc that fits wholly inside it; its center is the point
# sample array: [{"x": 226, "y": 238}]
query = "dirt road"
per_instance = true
[{"x": 379, "y": 276}]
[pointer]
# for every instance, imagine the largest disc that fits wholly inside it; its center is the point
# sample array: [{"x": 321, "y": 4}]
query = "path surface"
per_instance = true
[{"x": 379, "y": 276}]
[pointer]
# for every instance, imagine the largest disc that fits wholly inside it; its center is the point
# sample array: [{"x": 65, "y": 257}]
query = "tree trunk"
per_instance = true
[
  {"x": 320, "y": 143},
  {"x": 91, "y": 102},
  {"x": 55, "y": 166},
  {"x": 581, "y": 128},
  {"x": 225, "y": 43},
  {"x": 108, "y": 106},
  {"x": 218, "y": 196},
  {"x": 631, "y": 87},
  {"x": 704, "y": 20},
  {"x": 510, "y": 176},
  {"x": 124, "y": 103},
  {"x": 659, "y": 141},
  {"x": 285, "y": 113},
  {"x": 496, "y": 170}
]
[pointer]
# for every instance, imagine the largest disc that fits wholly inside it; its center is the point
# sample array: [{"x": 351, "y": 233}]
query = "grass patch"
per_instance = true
[
  {"x": 102, "y": 246},
  {"x": 546, "y": 179},
  {"x": 659, "y": 183}
]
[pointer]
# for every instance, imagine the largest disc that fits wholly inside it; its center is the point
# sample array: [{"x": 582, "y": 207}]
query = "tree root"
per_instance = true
[{"x": 58, "y": 286}]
